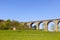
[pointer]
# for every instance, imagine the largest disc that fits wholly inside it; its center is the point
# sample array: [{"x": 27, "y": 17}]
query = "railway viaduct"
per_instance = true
[{"x": 46, "y": 22}]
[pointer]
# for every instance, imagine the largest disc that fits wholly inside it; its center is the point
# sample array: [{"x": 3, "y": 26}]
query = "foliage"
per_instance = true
[{"x": 9, "y": 25}]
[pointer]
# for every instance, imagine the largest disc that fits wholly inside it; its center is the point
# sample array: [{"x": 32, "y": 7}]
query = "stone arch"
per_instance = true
[
  {"x": 29, "y": 24},
  {"x": 51, "y": 25},
  {"x": 41, "y": 25},
  {"x": 33, "y": 25},
  {"x": 58, "y": 25}
]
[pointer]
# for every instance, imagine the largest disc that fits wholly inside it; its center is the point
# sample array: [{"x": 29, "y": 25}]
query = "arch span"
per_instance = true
[
  {"x": 51, "y": 26},
  {"x": 41, "y": 25}
]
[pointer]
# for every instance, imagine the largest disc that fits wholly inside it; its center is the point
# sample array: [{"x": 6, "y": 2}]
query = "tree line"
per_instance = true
[{"x": 10, "y": 25}]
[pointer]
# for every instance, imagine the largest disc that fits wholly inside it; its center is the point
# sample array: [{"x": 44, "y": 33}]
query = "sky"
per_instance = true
[{"x": 29, "y": 10}]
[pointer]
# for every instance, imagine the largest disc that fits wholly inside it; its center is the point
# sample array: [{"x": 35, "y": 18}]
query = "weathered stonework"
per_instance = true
[{"x": 46, "y": 22}]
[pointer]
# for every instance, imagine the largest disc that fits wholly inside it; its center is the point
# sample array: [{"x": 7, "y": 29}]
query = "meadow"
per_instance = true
[{"x": 28, "y": 35}]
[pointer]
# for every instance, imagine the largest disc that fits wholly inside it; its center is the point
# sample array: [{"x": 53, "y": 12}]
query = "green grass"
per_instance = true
[{"x": 28, "y": 35}]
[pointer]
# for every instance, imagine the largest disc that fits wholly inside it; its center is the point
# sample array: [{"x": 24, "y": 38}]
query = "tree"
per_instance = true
[
  {"x": 14, "y": 24},
  {"x": 3, "y": 25},
  {"x": 8, "y": 24}
]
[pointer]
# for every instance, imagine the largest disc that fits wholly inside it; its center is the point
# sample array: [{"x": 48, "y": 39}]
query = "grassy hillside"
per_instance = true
[{"x": 28, "y": 35}]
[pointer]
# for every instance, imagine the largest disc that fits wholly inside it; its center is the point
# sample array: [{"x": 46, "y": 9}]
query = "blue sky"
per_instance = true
[{"x": 29, "y": 10}]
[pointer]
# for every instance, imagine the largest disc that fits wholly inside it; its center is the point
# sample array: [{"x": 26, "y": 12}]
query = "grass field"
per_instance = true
[{"x": 28, "y": 35}]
